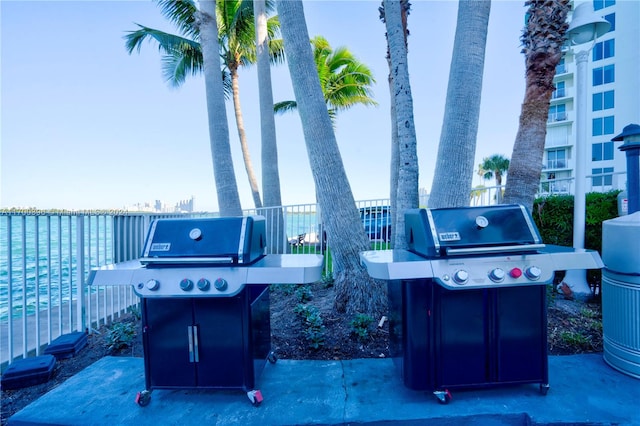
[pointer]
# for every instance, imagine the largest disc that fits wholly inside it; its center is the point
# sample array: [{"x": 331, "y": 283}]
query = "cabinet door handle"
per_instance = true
[
  {"x": 195, "y": 344},
  {"x": 190, "y": 336}
]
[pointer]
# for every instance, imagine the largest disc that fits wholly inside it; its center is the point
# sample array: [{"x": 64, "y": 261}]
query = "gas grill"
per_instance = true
[
  {"x": 204, "y": 289},
  {"x": 467, "y": 301}
]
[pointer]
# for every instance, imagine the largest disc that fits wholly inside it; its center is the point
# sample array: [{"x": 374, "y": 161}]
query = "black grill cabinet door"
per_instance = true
[
  {"x": 222, "y": 341},
  {"x": 166, "y": 325},
  {"x": 522, "y": 334}
]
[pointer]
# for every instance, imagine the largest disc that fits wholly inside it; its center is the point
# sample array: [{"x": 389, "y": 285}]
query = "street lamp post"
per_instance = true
[{"x": 583, "y": 31}]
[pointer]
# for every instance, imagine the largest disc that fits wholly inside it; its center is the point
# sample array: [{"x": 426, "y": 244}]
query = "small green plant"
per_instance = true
[
  {"x": 314, "y": 328},
  {"x": 303, "y": 293},
  {"x": 121, "y": 335},
  {"x": 360, "y": 324},
  {"x": 327, "y": 280}
]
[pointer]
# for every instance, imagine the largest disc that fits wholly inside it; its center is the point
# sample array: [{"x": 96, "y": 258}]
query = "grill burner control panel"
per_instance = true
[
  {"x": 208, "y": 281},
  {"x": 189, "y": 281},
  {"x": 485, "y": 272}
]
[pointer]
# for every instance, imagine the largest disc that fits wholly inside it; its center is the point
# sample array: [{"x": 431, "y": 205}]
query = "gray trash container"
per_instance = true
[{"x": 621, "y": 293}]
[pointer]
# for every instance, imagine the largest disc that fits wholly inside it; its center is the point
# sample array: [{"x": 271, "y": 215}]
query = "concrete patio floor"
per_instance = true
[{"x": 584, "y": 390}]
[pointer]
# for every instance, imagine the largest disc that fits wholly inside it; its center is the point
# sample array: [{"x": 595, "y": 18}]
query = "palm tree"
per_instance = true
[
  {"x": 345, "y": 81},
  {"x": 270, "y": 173},
  {"x": 182, "y": 55},
  {"x": 406, "y": 196},
  {"x": 494, "y": 166},
  {"x": 355, "y": 290},
  {"x": 454, "y": 165},
  {"x": 543, "y": 38}
]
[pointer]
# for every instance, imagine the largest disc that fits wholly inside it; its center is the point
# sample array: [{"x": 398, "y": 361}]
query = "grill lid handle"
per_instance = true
[{"x": 498, "y": 249}]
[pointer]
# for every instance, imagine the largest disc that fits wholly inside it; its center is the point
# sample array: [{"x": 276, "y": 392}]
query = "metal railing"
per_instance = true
[{"x": 46, "y": 256}]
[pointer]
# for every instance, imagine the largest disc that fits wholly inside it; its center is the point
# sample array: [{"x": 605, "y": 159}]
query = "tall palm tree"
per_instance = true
[
  {"x": 355, "y": 291},
  {"x": 182, "y": 54},
  {"x": 345, "y": 81},
  {"x": 494, "y": 166},
  {"x": 454, "y": 165},
  {"x": 228, "y": 198},
  {"x": 406, "y": 196},
  {"x": 543, "y": 37},
  {"x": 270, "y": 173}
]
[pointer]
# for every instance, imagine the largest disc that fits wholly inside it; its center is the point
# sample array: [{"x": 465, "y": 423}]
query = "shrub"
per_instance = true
[
  {"x": 121, "y": 335},
  {"x": 360, "y": 325}
]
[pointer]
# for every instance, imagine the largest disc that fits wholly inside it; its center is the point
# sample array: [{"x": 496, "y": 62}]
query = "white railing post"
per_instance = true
[{"x": 80, "y": 288}]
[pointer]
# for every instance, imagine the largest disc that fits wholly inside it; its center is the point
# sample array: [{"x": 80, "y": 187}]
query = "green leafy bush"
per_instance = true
[
  {"x": 554, "y": 218},
  {"x": 121, "y": 335},
  {"x": 360, "y": 324}
]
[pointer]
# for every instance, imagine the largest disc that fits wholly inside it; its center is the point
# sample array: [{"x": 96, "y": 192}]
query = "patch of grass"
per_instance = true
[{"x": 575, "y": 339}]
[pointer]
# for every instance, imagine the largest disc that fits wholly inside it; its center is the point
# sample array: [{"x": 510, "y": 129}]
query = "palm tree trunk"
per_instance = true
[
  {"x": 407, "y": 186},
  {"x": 226, "y": 186},
  {"x": 453, "y": 175},
  {"x": 355, "y": 290},
  {"x": 543, "y": 39},
  {"x": 270, "y": 171},
  {"x": 242, "y": 136}
]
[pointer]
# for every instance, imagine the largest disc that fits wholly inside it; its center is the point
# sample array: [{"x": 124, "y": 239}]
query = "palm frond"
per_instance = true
[
  {"x": 167, "y": 43},
  {"x": 284, "y": 106},
  {"x": 182, "y": 13}
]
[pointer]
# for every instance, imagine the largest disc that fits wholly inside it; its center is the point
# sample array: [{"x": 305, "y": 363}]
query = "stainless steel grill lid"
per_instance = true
[
  {"x": 473, "y": 230},
  {"x": 224, "y": 241}
]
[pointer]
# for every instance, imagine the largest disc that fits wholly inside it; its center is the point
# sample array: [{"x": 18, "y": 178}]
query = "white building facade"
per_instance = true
[{"x": 613, "y": 101}]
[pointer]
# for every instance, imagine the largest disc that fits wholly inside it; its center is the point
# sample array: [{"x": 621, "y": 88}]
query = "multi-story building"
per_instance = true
[{"x": 613, "y": 100}]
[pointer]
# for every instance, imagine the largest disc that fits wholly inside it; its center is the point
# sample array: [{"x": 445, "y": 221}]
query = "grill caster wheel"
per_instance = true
[
  {"x": 143, "y": 398},
  {"x": 544, "y": 388},
  {"x": 255, "y": 396},
  {"x": 272, "y": 358},
  {"x": 443, "y": 397}
]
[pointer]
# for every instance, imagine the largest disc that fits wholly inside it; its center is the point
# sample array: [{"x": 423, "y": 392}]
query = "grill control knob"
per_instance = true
[
  {"x": 220, "y": 284},
  {"x": 186, "y": 284},
  {"x": 204, "y": 284},
  {"x": 533, "y": 272},
  {"x": 497, "y": 275},
  {"x": 515, "y": 273},
  {"x": 461, "y": 276},
  {"x": 153, "y": 285}
]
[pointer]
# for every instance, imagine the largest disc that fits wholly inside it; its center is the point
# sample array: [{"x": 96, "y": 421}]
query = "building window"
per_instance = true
[
  {"x": 556, "y": 159},
  {"x": 602, "y": 126},
  {"x": 604, "y": 75},
  {"x": 601, "y": 4},
  {"x": 602, "y": 151},
  {"x": 605, "y": 178},
  {"x": 561, "y": 68},
  {"x": 559, "y": 91},
  {"x": 557, "y": 113},
  {"x": 603, "y": 100},
  {"x": 604, "y": 49},
  {"x": 612, "y": 20}
]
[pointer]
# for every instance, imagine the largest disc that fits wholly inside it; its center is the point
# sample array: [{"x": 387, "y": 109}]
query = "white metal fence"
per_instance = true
[{"x": 45, "y": 259}]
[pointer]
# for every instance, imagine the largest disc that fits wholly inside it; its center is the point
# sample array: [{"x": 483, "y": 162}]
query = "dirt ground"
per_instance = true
[{"x": 305, "y": 326}]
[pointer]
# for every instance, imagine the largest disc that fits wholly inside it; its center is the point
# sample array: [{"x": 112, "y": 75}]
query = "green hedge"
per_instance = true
[{"x": 554, "y": 218}]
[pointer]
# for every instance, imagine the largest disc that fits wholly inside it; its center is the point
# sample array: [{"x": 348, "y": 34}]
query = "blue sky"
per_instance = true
[{"x": 84, "y": 125}]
